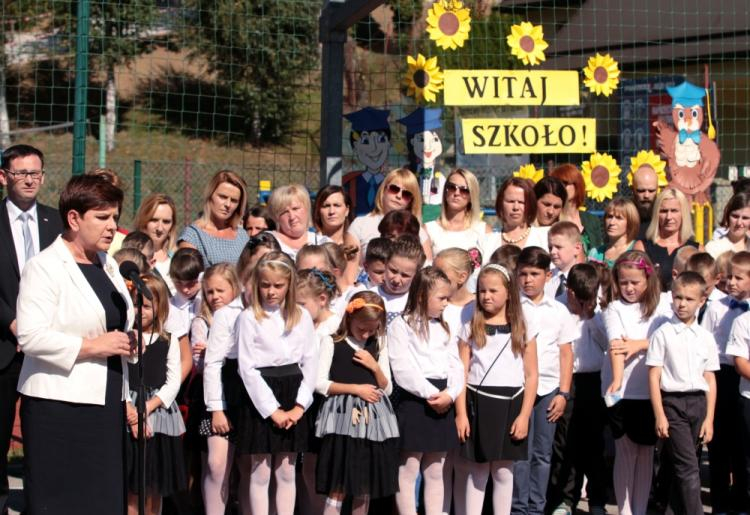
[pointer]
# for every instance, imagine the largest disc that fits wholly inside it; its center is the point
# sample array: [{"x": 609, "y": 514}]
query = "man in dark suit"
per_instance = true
[{"x": 26, "y": 228}]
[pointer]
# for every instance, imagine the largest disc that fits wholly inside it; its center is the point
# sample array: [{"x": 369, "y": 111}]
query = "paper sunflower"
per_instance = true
[
  {"x": 424, "y": 78},
  {"x": 602, "y": 74},
  {"x": 526, "y": 42},
  {"x": 449, "y": 23},
  {"x": 647, "y": 158},
  {"x": 529, "y": 172},
  {"x": 601, "y": 174}
]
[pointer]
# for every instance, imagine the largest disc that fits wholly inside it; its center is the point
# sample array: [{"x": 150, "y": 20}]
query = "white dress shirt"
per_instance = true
[
  {"x": 16, "y": 228},
  {"x": 394, "y": 303},
  {"x": 266, "y": 343},
  {"x": 221, "y": 345},
  {"x": 182, "y": 311},
  {"x": 327, "y": 346},
  {"x": 553, "y": 325},
  {"x": 458, "y": 316},
  {"x": 739, "y": 346},
  {"x": 718, "y": 320},
  {"x": 624, "y": 319},
  {"x": 414, "y": 360},
  {"x": 507, "y": 369},
  {"x": 590, "y": 346},
  {"x": 684, "y": 352}
]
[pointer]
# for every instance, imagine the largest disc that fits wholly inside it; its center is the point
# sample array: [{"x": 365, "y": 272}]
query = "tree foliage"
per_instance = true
[{"x": 260, "y": 49}]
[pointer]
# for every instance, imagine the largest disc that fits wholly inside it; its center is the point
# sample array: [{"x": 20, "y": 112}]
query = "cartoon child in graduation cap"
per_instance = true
[
  {"x": 425, "y": 147},
  {"x": 693, "y": 158},
  {"x": 371, "y": 140}
]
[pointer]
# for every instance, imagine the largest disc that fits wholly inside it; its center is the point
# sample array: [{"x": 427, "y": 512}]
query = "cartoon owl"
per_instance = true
[{"x": 693, "y": 158}]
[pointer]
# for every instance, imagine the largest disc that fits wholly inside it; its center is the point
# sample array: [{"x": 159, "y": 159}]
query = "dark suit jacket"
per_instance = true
[{"x": 50, "y": 226}]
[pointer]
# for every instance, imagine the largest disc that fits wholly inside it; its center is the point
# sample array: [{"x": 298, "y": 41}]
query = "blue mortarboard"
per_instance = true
[
  {"x": 686, "y": 94},
  {"x": 369, "y": 119},
  {"x": 421, "y": 119}
]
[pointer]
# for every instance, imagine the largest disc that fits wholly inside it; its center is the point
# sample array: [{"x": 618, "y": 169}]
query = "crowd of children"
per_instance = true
[{"x": 429, "y": 385}]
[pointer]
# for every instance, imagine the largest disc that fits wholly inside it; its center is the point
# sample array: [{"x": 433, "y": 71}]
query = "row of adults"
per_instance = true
[
  {"x": 63, "y": 302},
  {"x": 658, "y": 223}
]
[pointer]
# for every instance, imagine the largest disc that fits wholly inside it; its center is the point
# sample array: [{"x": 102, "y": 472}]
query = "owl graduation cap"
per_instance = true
[
  {"x": 692, "y": 156},
  {"x": 370, "y": 139},
  {"x": 425, "y": 146}
]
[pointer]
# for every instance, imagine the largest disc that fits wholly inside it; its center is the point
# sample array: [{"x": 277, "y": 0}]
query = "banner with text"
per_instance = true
[
  {"x": 511, "y": 87},
  {"x": 529, "y": 135}
]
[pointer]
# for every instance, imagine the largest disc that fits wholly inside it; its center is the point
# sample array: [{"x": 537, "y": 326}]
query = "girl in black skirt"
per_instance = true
[
  {"x": 357, "y": 425},
  {"x": 426, "y": 366},
  {"x": 492, "y": 414},
  {"x": 165, "y": 465},
  {"x": 220, "y": 286},
  {"x": 277, "y": 364}
]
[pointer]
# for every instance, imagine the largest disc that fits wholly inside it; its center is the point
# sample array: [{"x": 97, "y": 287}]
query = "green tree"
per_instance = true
[
  {"x": 262, "y": 50},
  {"x": 120, "y": 31}
]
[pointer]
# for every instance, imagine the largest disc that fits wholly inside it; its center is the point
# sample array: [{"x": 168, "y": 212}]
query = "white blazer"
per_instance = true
[{"x": 56, "y": 310}]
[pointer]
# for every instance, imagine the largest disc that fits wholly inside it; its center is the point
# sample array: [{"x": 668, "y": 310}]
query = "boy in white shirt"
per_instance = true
[
  {"x": 705, "y": 265},
  {"x": 739, "y": 348},
  {"x": 557, "y": 330},
  {"x": 185, "y": 270},
  {"x": 565, "y": 250},
  {"x": 728, "y": 479},
  {"x": 682, "y": 358}
]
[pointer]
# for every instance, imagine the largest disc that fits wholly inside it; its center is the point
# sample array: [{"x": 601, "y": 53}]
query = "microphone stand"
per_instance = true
[{"x": 141, "y": 409}]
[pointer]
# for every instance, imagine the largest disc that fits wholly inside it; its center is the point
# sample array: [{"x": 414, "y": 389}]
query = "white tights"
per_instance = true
[
  {"x": 477, "y": 475},
  {"x": 217, "y": 467},
  {"x": 431, "y": 464},
  {"x": 632, "y": 475},
  {"x": 260, "y": 467}
]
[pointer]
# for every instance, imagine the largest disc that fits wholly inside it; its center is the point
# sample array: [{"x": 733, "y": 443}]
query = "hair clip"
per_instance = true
[
  {"x": 326, "y": 282},
  {"x": 360, "y": 303},
  {"x": 499, "y": 268},
  {"x": 476, "y": 257},
  {"x": 640, "y": 264}
]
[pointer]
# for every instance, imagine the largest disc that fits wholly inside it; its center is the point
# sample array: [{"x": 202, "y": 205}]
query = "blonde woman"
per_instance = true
[
  {"x": 399, "y": 190},
  {"x": 289, "y": 207},
  {"x": 460, "y": 224},
  {"x": 218, "y": 234},
  {"x": 670, "y": 229},
  {"x": 157, "y": 217}
]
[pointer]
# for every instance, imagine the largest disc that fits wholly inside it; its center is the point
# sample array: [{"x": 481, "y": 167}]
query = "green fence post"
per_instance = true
[
  {"x": 102, "y": 141},
  {"x": 136, "y": 185},
  {"x": 81, "y": 88}
]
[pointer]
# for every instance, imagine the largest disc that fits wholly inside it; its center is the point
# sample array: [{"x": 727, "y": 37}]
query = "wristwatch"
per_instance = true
[{"x": 564, "y": 395}]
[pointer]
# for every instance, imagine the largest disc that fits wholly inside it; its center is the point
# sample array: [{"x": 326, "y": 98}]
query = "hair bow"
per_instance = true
[
  {"x": 326, "y": 282},
  {"x": 640, "y": 264},
  {"x": 476, "y": 257}
]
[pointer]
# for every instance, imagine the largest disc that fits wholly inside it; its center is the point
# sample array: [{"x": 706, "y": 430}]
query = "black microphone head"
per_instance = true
[{"x": 128, "y": 269}]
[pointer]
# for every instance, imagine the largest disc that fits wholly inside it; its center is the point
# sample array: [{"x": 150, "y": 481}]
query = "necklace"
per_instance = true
[{"x": 516, "y": 240}]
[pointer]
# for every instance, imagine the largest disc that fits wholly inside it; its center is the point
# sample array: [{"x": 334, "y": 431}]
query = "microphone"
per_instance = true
[{"x": 129, "y": 270}]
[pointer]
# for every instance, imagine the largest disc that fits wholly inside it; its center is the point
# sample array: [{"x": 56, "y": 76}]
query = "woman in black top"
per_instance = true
[{"x": 671, "y": 228}]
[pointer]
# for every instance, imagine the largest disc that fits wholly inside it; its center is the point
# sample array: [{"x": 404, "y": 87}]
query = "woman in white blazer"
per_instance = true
[{"x": 74, "y": 312}]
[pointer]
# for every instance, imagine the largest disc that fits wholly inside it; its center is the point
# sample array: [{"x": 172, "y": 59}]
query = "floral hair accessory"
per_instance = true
[
  {"x": 326, "y": 282},
  {"x": 360, "y": 303},
  {"x": 499, "y": 268},
  {"x": 640, "y": 264},
  {"x": 476, "y": 257}
]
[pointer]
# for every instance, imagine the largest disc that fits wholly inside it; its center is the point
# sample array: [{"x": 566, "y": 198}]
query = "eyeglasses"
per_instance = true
[
  {"x": 34, "y": 175},
  {"x": 452, "y": 187},
  {"x": 395, "y": 190}
]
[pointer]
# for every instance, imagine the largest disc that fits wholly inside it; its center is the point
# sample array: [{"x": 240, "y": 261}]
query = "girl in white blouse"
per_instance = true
[
  {"x": 220, "y": 286},
  {"x": 639, "y": 309},
  {"x": 425, "y": 365},
  {"x": 492, "y": 414},
  {"x": 277, "y": 364}
]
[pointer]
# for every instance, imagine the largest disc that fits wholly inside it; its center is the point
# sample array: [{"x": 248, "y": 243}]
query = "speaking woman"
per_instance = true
[{"x": 73, "y": 314}]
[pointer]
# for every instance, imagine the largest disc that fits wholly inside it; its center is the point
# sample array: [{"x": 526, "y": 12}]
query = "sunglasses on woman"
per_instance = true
[
  {"x": 452, "y": 187},
  {"x": 395, "y": 189}
]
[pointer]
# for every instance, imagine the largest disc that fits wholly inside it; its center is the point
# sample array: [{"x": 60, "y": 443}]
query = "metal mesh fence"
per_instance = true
[{"x": 188, "y": 87}]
